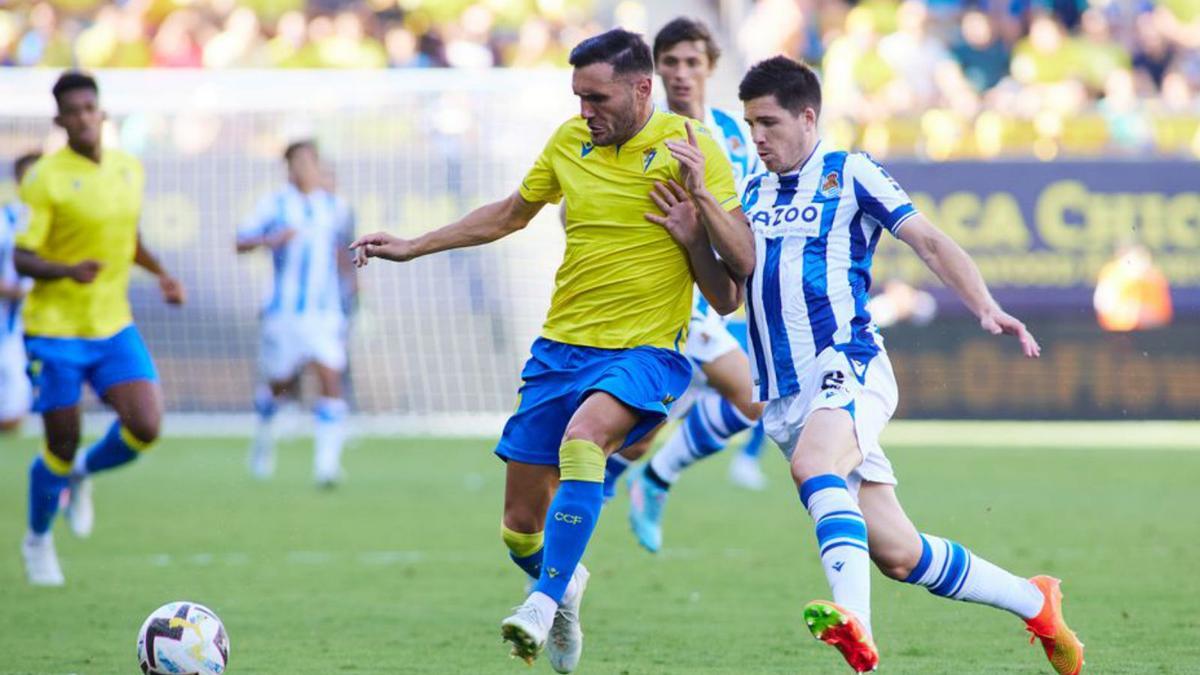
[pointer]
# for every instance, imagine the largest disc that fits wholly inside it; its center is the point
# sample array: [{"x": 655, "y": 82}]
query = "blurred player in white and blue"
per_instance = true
[
  {"x": 820, "y": 366},
  {"x": 721, "y": 405},
  {"x": 15, "y": 392},
  {"x": 306, "y": 228}
]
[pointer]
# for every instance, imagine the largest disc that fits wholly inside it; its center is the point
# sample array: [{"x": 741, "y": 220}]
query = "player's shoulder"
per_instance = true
[
  {"x": 726, "y": 122},
  {"x": 571, "y": 134},
  {"x": 125, "y": 162}
]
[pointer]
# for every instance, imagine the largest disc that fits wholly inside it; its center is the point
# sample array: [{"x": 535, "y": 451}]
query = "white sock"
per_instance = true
[
  {"x": 842, "y": 537},
  {"x": 266, "y": 406},
  {"x": 950, "y": 570},
  {"x": 329, "y": 436},
  {"x": 705, "y": 431}
]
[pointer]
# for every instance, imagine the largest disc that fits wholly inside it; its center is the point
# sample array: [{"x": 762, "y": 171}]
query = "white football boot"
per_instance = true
[
  {"x": 565, "y": 643},
  {"x": 41, "y": 560},
  {"x": 528, "y": 628},
  {"x": 746, "y": 472}
]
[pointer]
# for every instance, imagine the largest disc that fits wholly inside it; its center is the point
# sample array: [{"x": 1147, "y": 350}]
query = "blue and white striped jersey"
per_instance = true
[
  {"x": 306, "y": 280},
  {"x": 734, "y": 137},
  {"x": 815, "y": 230},
  {"x": 14, "y": 216}
]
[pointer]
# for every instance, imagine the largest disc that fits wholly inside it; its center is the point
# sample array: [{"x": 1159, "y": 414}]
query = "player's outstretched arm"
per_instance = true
[
  {"x": 272, "y": 240},
  {"x": 728, "y": 231},
  {"x": 172, "y": 289},
  {"x": 957, "y": 270},
  {"x": 680, "y": 219},
  {"x": 481, "y": 226},
  {"x": 34, "y": 266}
]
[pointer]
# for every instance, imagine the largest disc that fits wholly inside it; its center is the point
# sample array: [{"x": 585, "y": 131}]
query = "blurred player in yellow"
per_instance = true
[
  {"x": 15, "y": 393},
  {"x": 609, "y": 362},
  {"x": 84, "y": 205}
]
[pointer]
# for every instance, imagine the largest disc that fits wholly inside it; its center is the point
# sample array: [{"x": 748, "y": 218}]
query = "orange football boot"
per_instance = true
[
  {"x": 1064, "y": 650},
  {"x": 839, "y": 628}
]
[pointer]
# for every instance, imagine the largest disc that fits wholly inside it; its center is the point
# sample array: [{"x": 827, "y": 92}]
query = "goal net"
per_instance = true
[{"x": 439, "y": 340}]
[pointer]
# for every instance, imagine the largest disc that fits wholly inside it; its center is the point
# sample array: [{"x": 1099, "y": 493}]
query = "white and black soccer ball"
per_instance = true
[{"x": 183, "y": 638}]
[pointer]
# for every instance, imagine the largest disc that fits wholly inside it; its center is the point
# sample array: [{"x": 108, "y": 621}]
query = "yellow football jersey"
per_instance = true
[
  {"x": 81, "y": 210},
  {"x": 623, "y": 281}
]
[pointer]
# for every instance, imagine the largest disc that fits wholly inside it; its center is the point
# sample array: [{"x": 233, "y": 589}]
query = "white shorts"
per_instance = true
[
  {"x": 869, "y": 394},
  {"x": 16, "y": 395},
  {"x": 289, "y": 343}
]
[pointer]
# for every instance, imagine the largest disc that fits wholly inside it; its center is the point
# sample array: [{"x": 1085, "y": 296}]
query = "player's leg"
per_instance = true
[
  {"x": 949, "y": 570},
  {"x": 279, "y": 365},
  {"x": 56, "y": 368},
  {"x": 721, "y": 410},
  {"x": 528, "y": 489},
  {"x": 49, "y": 476},
  {"x": 598, "y": 428},
  {"x": 619, "y": 462},
  {"x": 330, "y": 426},
  {"x": 15, "y": 392}
]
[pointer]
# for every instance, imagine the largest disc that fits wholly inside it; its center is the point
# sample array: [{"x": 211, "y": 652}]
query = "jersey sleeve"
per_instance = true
[
  {"x": 878, "y": 194},
  {"x": 35, "y": 194},
  {"x": 263, "y": 220},
  {"x": 718, "y": 172},
  {"x": 541, "y": 183}
]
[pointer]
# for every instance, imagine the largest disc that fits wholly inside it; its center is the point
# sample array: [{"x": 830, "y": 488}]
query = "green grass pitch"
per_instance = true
[{"x": 402, "y": 569}]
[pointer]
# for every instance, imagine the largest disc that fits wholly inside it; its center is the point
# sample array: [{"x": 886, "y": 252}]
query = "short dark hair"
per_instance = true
[
  {"x": 792, "y": 83},
  {"x": 626, "y": 52},
  {"x": 683, "y": 29},
  {"x": 72, "y": 80},
  {"x": 22, "y": 163},
  {"x": 297, "y": 146}
]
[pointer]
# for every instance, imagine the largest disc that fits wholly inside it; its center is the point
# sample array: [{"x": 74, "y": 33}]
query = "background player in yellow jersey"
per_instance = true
[
  {"x": 608, "y": 364},
  {"x": 82, "y": 240}
]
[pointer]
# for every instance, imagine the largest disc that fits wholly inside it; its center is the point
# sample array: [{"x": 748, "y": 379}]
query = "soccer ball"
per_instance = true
[{"x": 182, "y": 638}]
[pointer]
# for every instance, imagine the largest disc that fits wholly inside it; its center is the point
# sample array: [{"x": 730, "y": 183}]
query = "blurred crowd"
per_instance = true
[
  {"x": 292, "y": 33},
  {"x": 948, "y": 78},
  {"x": 940, "y": 78}
]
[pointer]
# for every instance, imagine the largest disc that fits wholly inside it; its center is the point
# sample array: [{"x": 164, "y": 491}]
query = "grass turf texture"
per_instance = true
[{"x": 402, "y": 569}]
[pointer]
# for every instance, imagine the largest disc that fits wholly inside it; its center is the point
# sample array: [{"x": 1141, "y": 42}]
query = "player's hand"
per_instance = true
[
  {"x": 172, "y": 290},
  {"x": 679, "y": 217},
  {"x": 84, "y": 272},
  {"x": 381, "y": 245},
  {"x": 999, "y": 322},
  {"x": 691, "y": 161}
]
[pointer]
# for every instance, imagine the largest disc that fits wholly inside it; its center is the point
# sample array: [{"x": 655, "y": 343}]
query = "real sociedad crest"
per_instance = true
[{"x": 830, "y": 185}]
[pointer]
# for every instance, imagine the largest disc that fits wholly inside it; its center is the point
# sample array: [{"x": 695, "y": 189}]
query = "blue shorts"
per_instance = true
[
  {"x": 58, "y": 367},
  {"x": 558, "y": 377}
]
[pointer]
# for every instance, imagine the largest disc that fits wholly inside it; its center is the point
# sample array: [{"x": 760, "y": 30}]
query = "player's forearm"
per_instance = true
[
  {"x": 729, "y": 234},
  {"x": 716, "y": 283},
  {"x": 146, "y": 260},
  {"x": 958, "y": 271},
  {"x": 484, "y": 225},
  {"x": 34, "y": 266}
]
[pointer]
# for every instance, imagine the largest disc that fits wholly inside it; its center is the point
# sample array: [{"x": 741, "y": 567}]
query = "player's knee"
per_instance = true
[
  {"x": 520, "y": 518},
  {"x": 751, "y": 410},
  {"x": 808, "y": 462},
  {"x": 638, "y": 450},
  {"x": 896, "y": 562},
  {"x": 144, "y": 429}
]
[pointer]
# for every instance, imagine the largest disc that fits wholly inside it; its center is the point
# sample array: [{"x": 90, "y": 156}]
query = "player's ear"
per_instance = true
[{"x": 644, "y": 86}]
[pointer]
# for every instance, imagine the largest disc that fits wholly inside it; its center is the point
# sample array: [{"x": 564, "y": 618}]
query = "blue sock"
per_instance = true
[
  {"x": 754, "y": 444},
  {"x": 614, "y": 468},
  {"x": 525, "y": 549},
  {"x": 569, "y": 525},
  {"x": 116, "y": 448},
  {"x": 47, "y": 480},
  {"x": 531, "y": 564}
]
